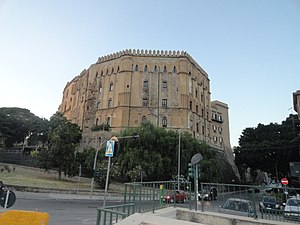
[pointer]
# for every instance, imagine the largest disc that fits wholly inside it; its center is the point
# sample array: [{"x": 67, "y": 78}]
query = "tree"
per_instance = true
[
  {"x": 269, "y": 148},
  {"x": 156, "y": 153},
  {"x": 64, "y": 138},
  {"x": 16, "y": 124}
]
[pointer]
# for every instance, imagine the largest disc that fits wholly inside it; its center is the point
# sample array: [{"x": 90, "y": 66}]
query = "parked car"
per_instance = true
[
  {"x": 292, "y": 209},
  {"x": 238, "y": 206},
  {"x": 178, "y": 195},
  {"x": 269, "y": 204},
  {"x": 208, "y": 195}
]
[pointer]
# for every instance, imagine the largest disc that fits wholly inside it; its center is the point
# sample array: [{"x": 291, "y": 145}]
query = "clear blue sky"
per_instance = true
[{"x": 250, "y": 48}]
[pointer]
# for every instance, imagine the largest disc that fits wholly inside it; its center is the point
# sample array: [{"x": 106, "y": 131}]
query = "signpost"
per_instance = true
[
  {"x": 196, "y": 165},
  {"x": 284, "y": 181}
]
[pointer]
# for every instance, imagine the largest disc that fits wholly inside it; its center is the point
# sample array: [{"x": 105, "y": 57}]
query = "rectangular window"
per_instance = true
[
  {"x": 215, "y": 139},
  {"x": 196, "y": 109},
  {"x": 145, "y": 102},
  {"x": 214, "y": 128},
  {"x": 145, "y": 84},
  {"x": 165, "y": 84},
  {"x": 164, "y": 103},
  {"x": 191, "y": 105},
  {"x": 221, "y": 140}
]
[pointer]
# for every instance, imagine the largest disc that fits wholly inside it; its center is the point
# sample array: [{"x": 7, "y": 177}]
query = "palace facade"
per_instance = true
[{"x": 130, "y": 87}]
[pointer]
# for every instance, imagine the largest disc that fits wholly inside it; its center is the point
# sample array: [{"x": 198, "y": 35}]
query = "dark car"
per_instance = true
[
  {"x": 208, "y": 195},
  {"x": 268, "y": 204},
  {"x": 178, "y": 196}
]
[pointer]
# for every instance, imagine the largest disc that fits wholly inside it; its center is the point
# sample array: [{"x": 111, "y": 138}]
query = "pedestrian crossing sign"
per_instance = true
[{"x": 109, "y": 151}]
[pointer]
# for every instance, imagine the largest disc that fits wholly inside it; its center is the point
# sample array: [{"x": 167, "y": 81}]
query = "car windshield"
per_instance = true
[
  {"x": 293, "y": 202},
  {"x": 269, "y": 200}
]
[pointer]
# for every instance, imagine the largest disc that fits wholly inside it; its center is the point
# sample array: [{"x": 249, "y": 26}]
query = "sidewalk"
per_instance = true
[{"x": 63, "y": 196}]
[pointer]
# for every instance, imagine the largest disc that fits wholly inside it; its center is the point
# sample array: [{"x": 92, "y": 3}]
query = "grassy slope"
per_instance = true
[{"x": 26, "y": 176}]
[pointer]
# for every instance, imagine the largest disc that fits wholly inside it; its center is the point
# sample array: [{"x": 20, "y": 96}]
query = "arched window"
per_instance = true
[
  {"x": 100, "y": 87},
  {"x": 164, "y": 121},
  {"x": 109, "y": 103},
  {"x": 98, "y": 105},
  {"x": 97, "y": 121},
  {"x": 118, "y": 69},
  {"x": 106, "y": 71},
  {"x": 165, "y": 69},
  {"x": 144, "y": 119},
  {"x": 174, "y": 69},
  {"x": 136, "y": 68},
  {"x": 102, "y": 73},
  {"x": 96, "y": 74},
  {"x": 155, "y": 69},
  {"x": 145, "y": 69},
  {"x": 112, "y": 71},
  {"x": 111, "y": 86},
  {"x": 108, "y": 121}
]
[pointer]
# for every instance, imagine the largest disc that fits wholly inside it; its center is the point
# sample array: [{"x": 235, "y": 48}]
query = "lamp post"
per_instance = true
[
  {"x": 94, "y": 166},
  {"x": 178, "y": 178},
  {"x": 95, "y": 160}
]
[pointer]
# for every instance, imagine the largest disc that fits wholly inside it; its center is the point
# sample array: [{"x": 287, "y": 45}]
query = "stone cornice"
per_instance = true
[{"x": 151, "y": 53}]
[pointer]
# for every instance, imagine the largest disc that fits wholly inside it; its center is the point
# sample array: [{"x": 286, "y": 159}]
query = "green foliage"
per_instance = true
[
  {"x": 269, "y": 148},
  {"x": 156, "y": 153},
  {"x": 16, "y": 124},
  {"x": 64, "y": 137},
  {"x": 102, "y": 168},
  {"x": 102, "y": 126},
  {"x": 135, "y": 173},
  {"x": 34, "y": 153}
]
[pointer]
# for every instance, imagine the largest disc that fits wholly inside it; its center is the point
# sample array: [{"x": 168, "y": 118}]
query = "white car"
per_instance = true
[{"x": 292, "y": 209}]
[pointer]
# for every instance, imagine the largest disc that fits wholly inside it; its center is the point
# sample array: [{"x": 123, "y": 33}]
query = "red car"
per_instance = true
[{"x": 180, "y": 196}]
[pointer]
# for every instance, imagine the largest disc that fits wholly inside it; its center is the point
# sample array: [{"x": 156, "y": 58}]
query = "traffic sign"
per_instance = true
[
  {"x": 110, "y": 145},
  {"x": 284, "y": 181}
]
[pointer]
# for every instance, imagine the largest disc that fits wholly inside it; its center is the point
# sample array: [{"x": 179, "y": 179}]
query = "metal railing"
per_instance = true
[
  {"x": 143, "y": 197},
  {"x": 113, "y": 214},
  {"x": 150, "y": 196},
  {"x": 253, "y": 195}
]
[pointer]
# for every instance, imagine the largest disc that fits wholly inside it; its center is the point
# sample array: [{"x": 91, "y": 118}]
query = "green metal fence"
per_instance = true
[
  {"x": 143, "y": 197},
  {"x": 150, "y": 196},
  {"x": 113, "y": 214}
]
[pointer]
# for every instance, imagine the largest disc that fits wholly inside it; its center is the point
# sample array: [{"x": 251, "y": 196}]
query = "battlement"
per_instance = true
[{"x": 151, "y": 53}]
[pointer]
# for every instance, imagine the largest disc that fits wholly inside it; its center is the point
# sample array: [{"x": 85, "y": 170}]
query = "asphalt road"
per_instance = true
[{"x": 62, "y": 209}]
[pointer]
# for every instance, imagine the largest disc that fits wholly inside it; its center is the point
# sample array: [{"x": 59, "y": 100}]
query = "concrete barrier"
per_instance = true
[
  {"x": 211, "y": 218},
  {"x": 20, "y": 217}
]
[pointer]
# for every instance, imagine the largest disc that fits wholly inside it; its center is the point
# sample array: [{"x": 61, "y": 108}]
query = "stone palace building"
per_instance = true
[{"x": 168, "y": 88}]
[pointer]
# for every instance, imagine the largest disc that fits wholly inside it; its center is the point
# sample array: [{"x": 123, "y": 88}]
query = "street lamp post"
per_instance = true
[
  {"x": 95, "y": 164},
  {"x": 178, "y": 178},
  {"x": 95, "y": 159}
]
